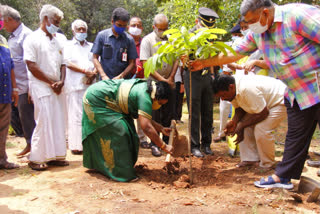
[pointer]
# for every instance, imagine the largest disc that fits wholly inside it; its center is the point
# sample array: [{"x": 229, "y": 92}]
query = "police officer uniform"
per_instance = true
[{"x": 202, "y": 95}]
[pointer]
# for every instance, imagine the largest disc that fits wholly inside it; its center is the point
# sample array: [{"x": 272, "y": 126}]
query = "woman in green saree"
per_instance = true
[{"x": 109, "y": 138}]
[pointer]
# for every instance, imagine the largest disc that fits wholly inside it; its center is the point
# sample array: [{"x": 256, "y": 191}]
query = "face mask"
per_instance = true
[
  {"x": 155, "y": 105},
  {"x": 81, "y": 36},
  {"x": 135, "y": 31},
  {"x": 234, "y": 38},
  {"x": 258, "y": 28},
  {"x": 245, "y": 32},
  {"x": 119, "y": 30},
  {"x": 52, "y": 29},
  {"x": 159, "y": 33},
  {"x": 1, "y": 23}
]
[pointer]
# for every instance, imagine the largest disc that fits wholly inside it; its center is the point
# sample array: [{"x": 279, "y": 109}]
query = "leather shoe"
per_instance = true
[
  {"x": 207, "y": 150},
  {"x": 155, "y": 151},
  {"x": 313, "y": 163},
  {"x": 196, "y": 152},
  {"x": 218, "y": 139}
]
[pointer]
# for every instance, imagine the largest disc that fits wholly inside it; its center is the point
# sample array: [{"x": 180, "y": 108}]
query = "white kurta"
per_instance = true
[
  {"x": 75, "y": 88},
  {"x": 48, "y": 139}
]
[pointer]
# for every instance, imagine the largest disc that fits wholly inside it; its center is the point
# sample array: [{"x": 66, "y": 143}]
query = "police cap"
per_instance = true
[{"x": 207, "y": 17}]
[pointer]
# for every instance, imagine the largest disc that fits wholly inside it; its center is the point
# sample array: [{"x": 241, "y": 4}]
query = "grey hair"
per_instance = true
[
  {"x": 7, "y": 11},
  {"x": 253, "y": 5},
  {"x": 50, "y": 11},
  {"x": 160, "y": 18},
  {"x": 78, "y": 23}
]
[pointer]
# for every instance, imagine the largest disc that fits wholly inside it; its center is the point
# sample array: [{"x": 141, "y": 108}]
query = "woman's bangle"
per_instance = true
[
  {"x": 163, "y": 146},
  {"x": 15, "y": 89}
]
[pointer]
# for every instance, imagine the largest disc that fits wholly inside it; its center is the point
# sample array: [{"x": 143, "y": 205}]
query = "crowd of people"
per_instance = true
[{"x": 85, "y": 96}]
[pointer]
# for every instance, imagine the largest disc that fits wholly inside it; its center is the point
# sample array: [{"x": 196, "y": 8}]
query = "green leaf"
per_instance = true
[{"x": 171, "y": 31}]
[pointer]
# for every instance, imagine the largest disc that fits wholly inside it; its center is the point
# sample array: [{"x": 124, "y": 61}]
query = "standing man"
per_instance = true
[
  {"x": 43, "y": 54},
  {"x": 202, "y": 96},
  {"x": 115, "y": 47},
  {"x": 164, "y": 115},
  {"x": 135, "y": 29},
  {"x": 8, "y": 93},
  {"x": 79, "y": 75},
  {"x": 289, "y": 39},
  {"x": 18, "y": 32}
]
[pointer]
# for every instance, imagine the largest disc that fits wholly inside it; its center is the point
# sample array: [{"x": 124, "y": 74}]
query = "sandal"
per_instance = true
[
  {"x": 38, "y": 167},
  {"x": 145, "y": 145},
  {"x": 9, "y": 165},
  {"x": 58, "y": 163},
  {"x": 247, "y": 163},
  {"x": 270, "y": 183}
]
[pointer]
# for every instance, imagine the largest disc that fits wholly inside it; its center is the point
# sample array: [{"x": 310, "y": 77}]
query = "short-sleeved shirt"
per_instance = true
[
  {"x": 111, "y": 48},
  {"x": 48, "y": 55},
  {"x": 15, "y": 42},
  {"x": 255, "y": 92},
  {"x": 6, "y": 65},
  {"x": 291, "y": 48},
  {"x": 81, "y": 56},
  {"x": 147, "y": 50}
]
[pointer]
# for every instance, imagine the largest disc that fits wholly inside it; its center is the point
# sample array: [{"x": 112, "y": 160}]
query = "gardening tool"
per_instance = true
[{"x": 309, "y": 185}]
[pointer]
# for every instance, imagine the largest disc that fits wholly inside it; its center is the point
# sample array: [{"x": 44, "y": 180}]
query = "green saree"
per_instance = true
[{"x": 109, "y": 138}]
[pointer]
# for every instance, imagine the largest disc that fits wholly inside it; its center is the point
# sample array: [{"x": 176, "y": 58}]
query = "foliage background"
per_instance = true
[{"x": 97, "y": 13}]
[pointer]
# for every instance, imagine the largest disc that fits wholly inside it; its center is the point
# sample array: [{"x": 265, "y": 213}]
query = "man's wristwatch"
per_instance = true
[{"x": 15, "y": 89}]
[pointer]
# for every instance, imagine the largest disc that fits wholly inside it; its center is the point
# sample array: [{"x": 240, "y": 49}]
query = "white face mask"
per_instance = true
[
  {"x": 245, "y": 32},
  {"x": 233, "y": 38},
  {"x": 81, "y": 36},
  {"x": 52, "y": 29},
  {"x": 159, "y": 33},
  {"x": 257, "y": 27},
  {"x": 135, "y": 31}
]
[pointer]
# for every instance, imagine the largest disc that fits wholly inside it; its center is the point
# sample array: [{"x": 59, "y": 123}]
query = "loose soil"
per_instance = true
[{"x": 218, "y": 186}]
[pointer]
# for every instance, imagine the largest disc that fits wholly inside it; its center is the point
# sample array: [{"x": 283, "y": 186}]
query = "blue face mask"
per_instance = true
[
  {"x": 81, "y": 36},
  {"x": 52, "y": 29},
  {"x": 119, "y": 30}
]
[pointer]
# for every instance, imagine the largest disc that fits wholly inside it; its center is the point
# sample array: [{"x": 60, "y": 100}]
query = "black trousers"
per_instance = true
[
  {"x": 177, "y": 107},
  {"x": 301, "y": 126},
  {"x": 26, "y": 114},
  {"x": 202, "y": 107},
  {"x": 164, "y": 115},
  {"x": 15, "y": 121}
]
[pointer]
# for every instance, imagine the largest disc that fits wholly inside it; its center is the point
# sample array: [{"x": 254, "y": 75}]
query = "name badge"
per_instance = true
[{"x": 124, "y": 56}]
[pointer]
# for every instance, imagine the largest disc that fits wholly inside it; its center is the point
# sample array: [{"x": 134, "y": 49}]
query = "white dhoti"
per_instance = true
[
  {"x": 48, "y": 139},
  {"x": 258, "y": 143},
  {"x": 74, "y": 111}
]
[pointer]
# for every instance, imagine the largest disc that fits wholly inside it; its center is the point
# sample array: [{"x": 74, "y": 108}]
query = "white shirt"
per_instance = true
[
  {"x": 48, "y": 55},
  {"x": 255, "y": 92},
  {"x": 147, "y": 50},
  {"x": 15, "y": 43},
  {"x": 81, "y": 56}
]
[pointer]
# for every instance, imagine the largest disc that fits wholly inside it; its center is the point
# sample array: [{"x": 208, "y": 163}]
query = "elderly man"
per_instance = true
[
  {"x": 164, "y": 115},
  {"x": 135, "y": 29},
  {"x": 8, "y": 92},
  {"x": 79, "y": 75},
  {"x": 289, "y": 39},
  {"x": 18, "y": 32},
  {"x": 259, "y": 109},
  {"x": 43, "y": 54},
  {"x": 115, "y": 47},
  {"x": 202, "y": 99}
]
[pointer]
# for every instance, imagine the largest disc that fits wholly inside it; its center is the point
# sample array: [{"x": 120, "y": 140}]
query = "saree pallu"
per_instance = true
[{"x": 109, "y": 138}]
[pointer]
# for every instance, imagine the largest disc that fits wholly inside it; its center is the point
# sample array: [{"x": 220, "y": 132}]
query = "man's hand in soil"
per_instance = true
[
  {"x": 230, "y": 128},
  {"x": 168, "y": 149}
]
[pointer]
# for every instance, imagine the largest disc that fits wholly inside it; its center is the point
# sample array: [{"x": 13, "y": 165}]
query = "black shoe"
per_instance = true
[
  {"x": 196, "y": 152},
  {"x": 207, "y": 150},
  {"x": 155, "y": 151},
  {"x": 313, "y": 163}
]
